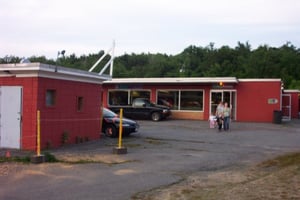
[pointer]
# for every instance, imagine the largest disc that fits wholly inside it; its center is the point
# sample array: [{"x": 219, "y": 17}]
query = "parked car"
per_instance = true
[
  {"x": 142, "y": 108},
  {"x": 111, "y": 124}
]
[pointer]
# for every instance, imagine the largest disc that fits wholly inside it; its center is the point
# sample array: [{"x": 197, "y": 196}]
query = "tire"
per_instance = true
[
  {"x": 156, "y": 116},
  {"x": 110, "y": 131}
]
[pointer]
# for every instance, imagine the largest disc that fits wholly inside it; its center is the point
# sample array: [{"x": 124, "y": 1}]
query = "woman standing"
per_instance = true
[{"x": 226, "y": 112}]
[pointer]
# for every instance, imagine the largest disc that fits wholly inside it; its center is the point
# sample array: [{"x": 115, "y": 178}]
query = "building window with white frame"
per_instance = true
[{"x": 181, "y": 99}]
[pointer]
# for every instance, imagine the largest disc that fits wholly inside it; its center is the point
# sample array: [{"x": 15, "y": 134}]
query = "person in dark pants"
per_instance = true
[
  {"x": 220, "y": 114},
  {"x": 226, "y": 116}
]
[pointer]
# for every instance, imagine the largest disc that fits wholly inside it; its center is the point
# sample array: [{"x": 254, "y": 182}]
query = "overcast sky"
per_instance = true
[{"x": 44, "y": 27}]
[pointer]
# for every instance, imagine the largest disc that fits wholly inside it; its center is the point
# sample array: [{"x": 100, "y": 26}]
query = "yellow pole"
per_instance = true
[
  {"x": 38, "y": 151},
  {"x": 120, "y": 128}
]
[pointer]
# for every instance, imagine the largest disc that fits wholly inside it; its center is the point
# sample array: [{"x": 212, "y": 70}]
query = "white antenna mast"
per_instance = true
[{"x": 109, "y": 63}]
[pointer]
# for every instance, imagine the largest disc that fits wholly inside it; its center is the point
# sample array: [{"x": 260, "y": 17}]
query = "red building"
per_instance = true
[
  {"x": 251, "y": 100},
  {"x": 69, "y": 102}
]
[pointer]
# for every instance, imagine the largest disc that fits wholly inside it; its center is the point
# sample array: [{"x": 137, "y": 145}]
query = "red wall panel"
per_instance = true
[
  {"x": 64, "y": 117},
  {"x": 253, "y": 100}
]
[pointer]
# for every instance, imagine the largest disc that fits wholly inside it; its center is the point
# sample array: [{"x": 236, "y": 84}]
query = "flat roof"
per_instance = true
[
  {"x": 173, "y": 80},
  {"x": 50, "y": 71},
  {"x": 292, "y": 91}
]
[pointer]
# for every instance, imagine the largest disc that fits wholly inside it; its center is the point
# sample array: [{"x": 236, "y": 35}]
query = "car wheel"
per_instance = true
[
  {"x": 110, "y": 131},
  {"x": 156, "y": 116}
]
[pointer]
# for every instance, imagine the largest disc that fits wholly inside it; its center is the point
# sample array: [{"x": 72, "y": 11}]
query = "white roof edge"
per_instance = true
[
  {"x": 52, "y": 71},
  {"x": 291, "y": 90},
  {"x": 174, "y": 80},
  {"x": 259, "y": 79}
]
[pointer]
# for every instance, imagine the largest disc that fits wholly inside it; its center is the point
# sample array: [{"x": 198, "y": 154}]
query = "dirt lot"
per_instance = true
[
  {"x": 278, "y": 178},
  {"x": 167, "y": 160}
]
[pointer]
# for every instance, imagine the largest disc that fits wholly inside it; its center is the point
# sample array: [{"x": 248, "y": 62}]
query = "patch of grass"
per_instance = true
[
  {"x": 25, "y": 159},
  {"x": 282, "y": 161},
  {"x": 50, "y": 158}
]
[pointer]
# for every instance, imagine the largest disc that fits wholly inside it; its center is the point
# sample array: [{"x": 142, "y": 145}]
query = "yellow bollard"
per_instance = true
[
  {"x": 38, "y": 150},
  {"x": 120, "y": 128},
  {"x": 120, "y": 149},
  {"x": 38, "y": 158}
]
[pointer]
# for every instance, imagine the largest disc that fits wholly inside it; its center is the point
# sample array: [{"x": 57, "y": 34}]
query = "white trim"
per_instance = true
[
  {"x": 50, "y": 71},
  {"x": 259, "y": 80},
  {"x": 292, "y": 91},
  {"x": 173, "y": 80}
]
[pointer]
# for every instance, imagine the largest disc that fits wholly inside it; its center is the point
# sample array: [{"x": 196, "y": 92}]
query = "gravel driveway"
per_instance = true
[{"x": 162, "y": 153}]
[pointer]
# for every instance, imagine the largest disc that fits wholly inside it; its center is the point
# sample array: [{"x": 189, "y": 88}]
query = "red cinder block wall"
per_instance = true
[
  {"x": 252, "y": 100},
  {"x": 64, "y": 117}
]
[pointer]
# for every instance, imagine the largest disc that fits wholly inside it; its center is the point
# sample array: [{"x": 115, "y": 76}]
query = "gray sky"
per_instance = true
[{"x": 44, "y": 27}]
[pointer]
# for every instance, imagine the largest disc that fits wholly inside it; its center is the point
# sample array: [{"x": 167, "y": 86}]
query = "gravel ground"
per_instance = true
[{"x": 160, "y": 154}]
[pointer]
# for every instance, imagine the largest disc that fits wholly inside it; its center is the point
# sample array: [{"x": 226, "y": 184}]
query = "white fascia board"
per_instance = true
[
  {"x": 292, "y": 91},
  {"x": 174, "y": 80},
  {"x": 51, "y": 71},
  {"x": 259, "y": 80}
]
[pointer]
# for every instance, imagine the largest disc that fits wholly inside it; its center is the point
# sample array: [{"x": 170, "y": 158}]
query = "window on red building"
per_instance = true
[
  {"x": 181, "y": 99},
  {"x": 79, "y": 104},
  {"x": 50, "y": 98},
  {"x": 125, "y": 97}
]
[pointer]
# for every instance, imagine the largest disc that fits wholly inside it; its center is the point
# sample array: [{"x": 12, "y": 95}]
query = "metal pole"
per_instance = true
[
  {"x": 120, "y": 128},
  {"x": 38, "y": 152}
]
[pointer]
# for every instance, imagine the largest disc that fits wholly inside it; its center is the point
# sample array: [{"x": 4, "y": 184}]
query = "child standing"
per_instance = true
[{"x": 212, "y": 121}]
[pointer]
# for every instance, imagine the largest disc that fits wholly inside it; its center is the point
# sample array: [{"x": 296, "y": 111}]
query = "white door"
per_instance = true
[{"x": 10, "y": 116}]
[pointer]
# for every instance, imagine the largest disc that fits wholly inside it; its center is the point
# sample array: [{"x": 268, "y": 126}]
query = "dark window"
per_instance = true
[
  {"x": 118, "y": 97},
  {"x": 125, "y": 97},
  {"x": 50, "y": 98},
  {"x": 191, "y": 100},
  {"x": 168, "y": 98},
  {"x": 139, "y": 94},
  {"x": 79, "y": 104}
]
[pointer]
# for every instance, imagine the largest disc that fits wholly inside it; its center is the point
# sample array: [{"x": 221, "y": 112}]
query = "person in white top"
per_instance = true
[
  {"x": 220, "y": 115},
  {"x": 226, "y": 116}
]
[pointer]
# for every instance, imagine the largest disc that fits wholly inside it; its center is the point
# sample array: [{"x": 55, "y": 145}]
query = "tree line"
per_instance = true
[{"x": 195, "y": 61}]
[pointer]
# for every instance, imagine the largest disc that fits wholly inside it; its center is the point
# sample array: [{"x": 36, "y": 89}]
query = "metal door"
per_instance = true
[
  {"x": 286, "y": 106},
  {"x": 10, "y": 116}
]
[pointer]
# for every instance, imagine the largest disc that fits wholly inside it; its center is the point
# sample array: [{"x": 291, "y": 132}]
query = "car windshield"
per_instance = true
[{"x": 108, "y": 113}]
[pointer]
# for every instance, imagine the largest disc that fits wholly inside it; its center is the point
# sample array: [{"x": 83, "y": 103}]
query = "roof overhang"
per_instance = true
[
  {"x": 50, "y": 71},
  {"x": 182, "y": 80}
]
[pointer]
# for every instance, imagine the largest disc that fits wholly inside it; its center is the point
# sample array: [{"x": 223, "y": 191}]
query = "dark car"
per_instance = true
[
  {"x": 143, "y": 108},
  {"x": 111, "y": 124}
]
